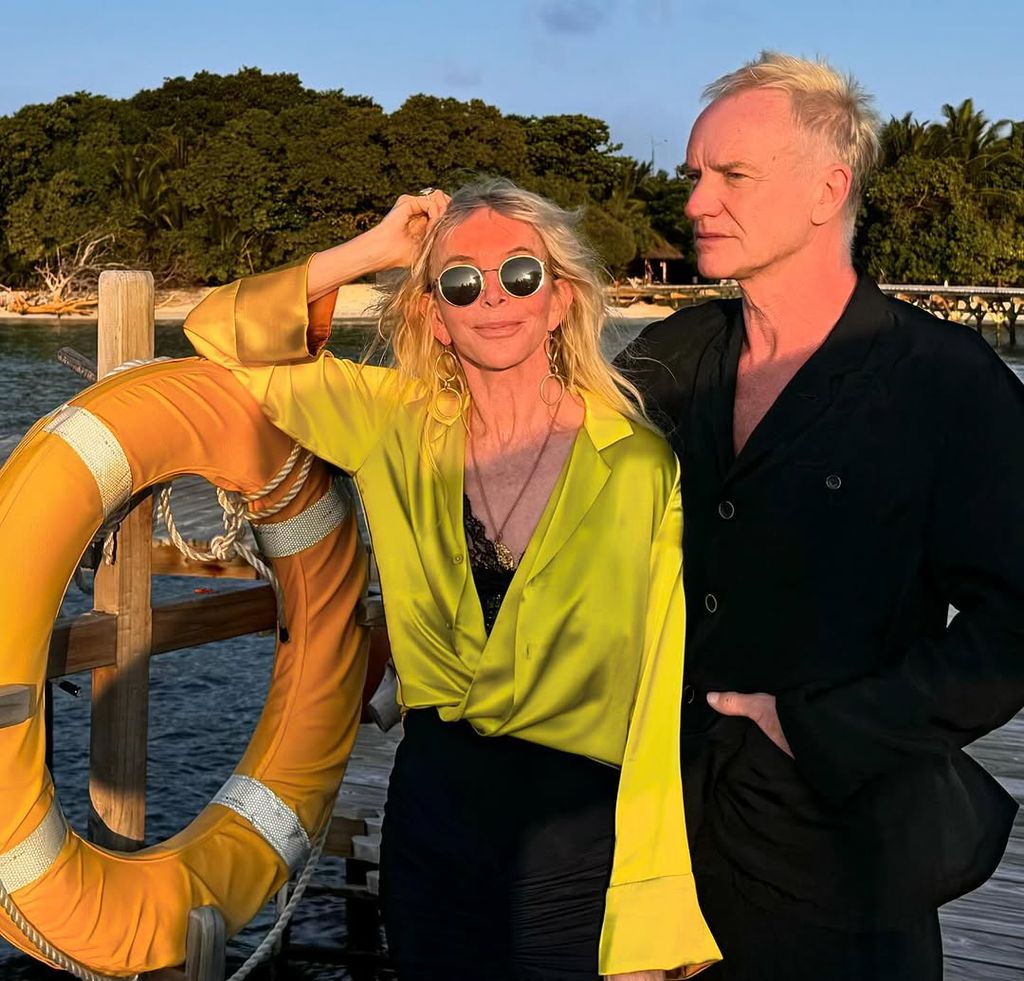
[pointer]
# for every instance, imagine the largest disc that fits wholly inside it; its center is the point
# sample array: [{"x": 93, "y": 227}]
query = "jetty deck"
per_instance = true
[{"x": 982, "y": 933}]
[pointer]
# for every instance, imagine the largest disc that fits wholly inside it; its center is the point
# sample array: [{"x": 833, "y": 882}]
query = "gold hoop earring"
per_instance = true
[
  {"x": 553, "y": 349},
  {"x": 449, "y": 399}
]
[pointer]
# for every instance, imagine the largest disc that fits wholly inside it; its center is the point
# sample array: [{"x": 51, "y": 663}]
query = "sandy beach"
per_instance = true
[{"x": 354, "y": 302}]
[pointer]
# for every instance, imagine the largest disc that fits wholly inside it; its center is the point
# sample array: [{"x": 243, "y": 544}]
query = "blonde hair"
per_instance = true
[
  {"x": 405, "y": 321},
  {"x": 826, "y": 104}
]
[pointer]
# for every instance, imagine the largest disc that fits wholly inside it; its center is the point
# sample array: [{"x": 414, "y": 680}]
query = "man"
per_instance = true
[{"x": 851, "y": 466}]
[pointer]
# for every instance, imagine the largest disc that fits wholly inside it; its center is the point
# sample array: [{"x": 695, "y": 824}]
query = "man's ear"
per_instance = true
[{"x": 835, "y": 184}]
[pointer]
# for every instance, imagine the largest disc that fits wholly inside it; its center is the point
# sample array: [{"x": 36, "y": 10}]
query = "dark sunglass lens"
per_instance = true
[
  {"x": 460, "y": 285},
  {"x": 522, "y": 275}
]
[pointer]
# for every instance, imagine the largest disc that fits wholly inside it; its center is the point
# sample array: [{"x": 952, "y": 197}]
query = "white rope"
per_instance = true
[
  {"x": 46, "y": 948},
  {"x": 266, "y": 947},
  {"x": 235, "y": 515},
  {"x": 224, "y": 546}
]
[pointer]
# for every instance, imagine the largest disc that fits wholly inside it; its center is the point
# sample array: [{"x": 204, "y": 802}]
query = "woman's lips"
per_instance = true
[{"x": 498, "y": 327}]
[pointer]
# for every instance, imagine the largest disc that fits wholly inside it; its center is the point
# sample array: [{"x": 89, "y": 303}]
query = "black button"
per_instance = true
[
  {"x": 711, "y": 602},
  {"x": 726, "y": 509},
  {"x": 689, "y": 694},
  {"x": 833, "y": 481}
]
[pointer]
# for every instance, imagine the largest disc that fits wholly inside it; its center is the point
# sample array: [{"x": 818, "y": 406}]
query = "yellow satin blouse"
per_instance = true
[{"x": 586, "y": 655}]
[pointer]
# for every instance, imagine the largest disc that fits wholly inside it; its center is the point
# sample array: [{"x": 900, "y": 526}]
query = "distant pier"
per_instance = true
[{"x": 995, "y": 307}]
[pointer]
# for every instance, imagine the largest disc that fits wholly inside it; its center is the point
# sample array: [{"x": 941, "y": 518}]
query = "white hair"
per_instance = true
[{"x": 826, "y": 104}]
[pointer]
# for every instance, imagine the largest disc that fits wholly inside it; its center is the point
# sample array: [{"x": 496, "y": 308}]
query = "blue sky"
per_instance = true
[{"x": 639, "y": 64}]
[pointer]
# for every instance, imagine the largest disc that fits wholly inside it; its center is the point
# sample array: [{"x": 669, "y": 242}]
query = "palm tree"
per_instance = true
[
  {"x": 628, "y": 202},
  {"x": 969, "y": 135},
  {"x": 904, "y": 136},
  {"x": 143, "y": 177}
]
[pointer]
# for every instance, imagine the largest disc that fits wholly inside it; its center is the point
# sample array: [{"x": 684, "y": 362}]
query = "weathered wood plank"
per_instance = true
[
  {"x": 205, "y": 945},
  {"x": 343, "y": 829},
  {"x": 86, "y": 642},
  {"x": 203, "y": 619},
  {"x": 979, "y": 918},
  {"x": 987, "y": 948},
  {"x": 120, "y": 692},
  {"x": 983, "y": 933},
  {"x": 964, "y": 970},
  {"x": 206, "y": 949},
  {"x": 355, "y": 796},
  {"x": 168, "y": 561},
  {"x": 81, "y": 643},
  {"x": 366, "y": 848}
]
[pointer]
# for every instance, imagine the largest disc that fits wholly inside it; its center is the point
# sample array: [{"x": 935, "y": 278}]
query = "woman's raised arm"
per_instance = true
[
  {"x": 269, "y": 330},
  {"x": 391, "y": 244}
]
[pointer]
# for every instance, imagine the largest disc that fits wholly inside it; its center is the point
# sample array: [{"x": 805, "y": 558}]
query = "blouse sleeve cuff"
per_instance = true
[
  {"x": 656, "y": 925},
  {"x": 321, "y": 312},
  {"x": 277, "y": 300}
]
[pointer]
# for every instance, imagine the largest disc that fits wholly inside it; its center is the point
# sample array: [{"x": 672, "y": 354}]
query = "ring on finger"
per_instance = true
[{"x": 425, "y": 191}]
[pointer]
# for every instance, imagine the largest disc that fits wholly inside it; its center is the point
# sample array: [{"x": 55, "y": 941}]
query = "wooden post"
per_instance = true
[
  {"x": 205, "y": 949},
  {"x": 1012, "y": 312},
  {"x": 120, "y": 693}
]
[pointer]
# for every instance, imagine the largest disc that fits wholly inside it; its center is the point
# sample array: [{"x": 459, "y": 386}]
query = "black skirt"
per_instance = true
[{"x": 495, "y": 858}]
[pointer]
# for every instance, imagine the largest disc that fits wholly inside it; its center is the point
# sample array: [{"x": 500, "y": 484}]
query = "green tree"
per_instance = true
[
  {"x": 948, "y": 202},
  {"x": 52, "y": 215},
  {"x": 200, "y": 106},
  {"x": 144, "y": 182},
  {"x": 232, "y": 190},
  {"x": 666, "y": 206},
  {"x": 968, "y": 135},
  {"x": 906, "y": 136},
  {"x": 431, "y": 141},
  {"x": 572, "y": 148},
  {"x": 68, "y": 134},
  {"x": 613, "y": 240},
  {"x": 927, "y": 224}
]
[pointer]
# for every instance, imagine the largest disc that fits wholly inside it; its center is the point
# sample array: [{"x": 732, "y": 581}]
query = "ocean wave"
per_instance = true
[{"x": 7, "y": 443}]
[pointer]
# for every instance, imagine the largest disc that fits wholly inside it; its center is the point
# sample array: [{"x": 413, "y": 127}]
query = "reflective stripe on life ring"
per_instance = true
[
  {"x": 280, "y": 538},
  {"x": 276, "y": 822},
  {"x": 100, "y": 451},
  {"x": 31, "y": 858}
]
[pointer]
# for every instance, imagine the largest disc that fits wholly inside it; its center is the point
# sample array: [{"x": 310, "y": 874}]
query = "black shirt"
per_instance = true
[{"x": 885, "y": 483}]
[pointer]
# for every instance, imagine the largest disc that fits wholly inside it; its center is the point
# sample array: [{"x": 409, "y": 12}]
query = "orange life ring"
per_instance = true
[{"x": 121, "y": 914}]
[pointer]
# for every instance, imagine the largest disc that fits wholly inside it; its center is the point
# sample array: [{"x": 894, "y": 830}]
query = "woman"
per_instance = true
[{"x": 527, "y": 527}]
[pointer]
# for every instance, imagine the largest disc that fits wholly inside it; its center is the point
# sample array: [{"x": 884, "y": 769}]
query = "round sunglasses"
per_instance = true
[{"x": 519, "y": 275}]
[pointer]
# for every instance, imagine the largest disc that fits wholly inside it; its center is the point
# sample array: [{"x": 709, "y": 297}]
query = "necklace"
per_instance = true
[{"x": 505, "y": 557}]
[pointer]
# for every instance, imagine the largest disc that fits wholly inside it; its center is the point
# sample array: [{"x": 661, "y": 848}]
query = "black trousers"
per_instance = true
[
  {"x": 761, "y": 945},
  {"x": 495, "y": 857}
]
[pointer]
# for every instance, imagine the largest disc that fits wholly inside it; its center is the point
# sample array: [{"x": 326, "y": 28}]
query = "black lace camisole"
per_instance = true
[{"x": 492, "y": 581}]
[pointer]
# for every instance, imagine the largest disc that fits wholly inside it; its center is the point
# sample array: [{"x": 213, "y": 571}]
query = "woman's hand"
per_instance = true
[
  {"x": 391, "y": 244},
  {"x": 398, "y": 236}
]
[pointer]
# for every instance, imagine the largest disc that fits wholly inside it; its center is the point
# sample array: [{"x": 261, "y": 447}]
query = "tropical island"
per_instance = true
[{"x": 215, "y": 176}]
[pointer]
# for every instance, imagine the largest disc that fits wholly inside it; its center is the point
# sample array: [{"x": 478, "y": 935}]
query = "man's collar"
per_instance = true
[{"x": 847, "y": 344}]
